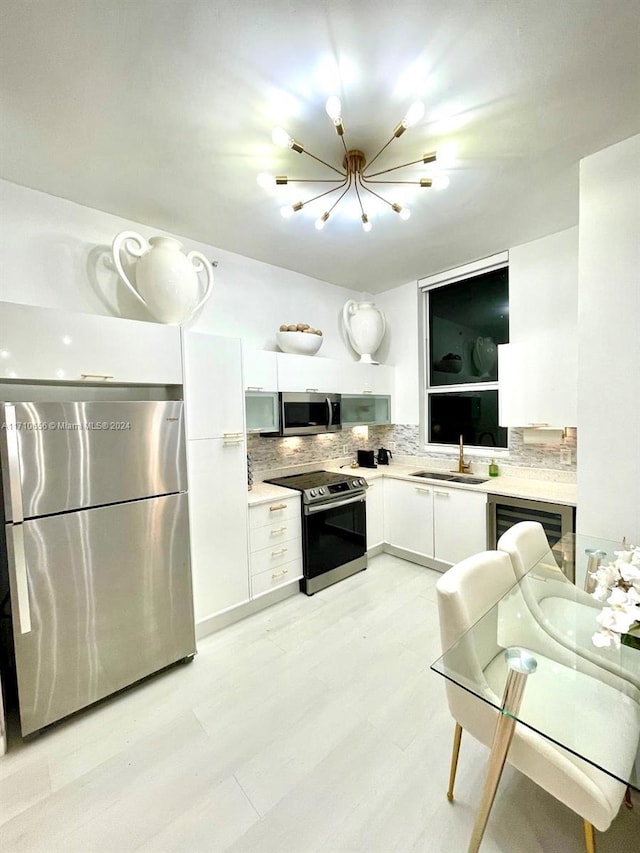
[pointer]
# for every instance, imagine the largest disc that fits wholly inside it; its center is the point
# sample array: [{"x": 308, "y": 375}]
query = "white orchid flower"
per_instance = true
[{"x": 605, "y": 638}]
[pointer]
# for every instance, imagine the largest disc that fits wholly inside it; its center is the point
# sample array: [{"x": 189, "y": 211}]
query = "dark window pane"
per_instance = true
[
  {"x": 472, "y": 414},
  {"x": 467, "y": 320}
]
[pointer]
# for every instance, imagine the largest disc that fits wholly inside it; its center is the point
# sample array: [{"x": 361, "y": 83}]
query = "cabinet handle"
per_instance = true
[
  {"x": 541, "y": 424},
  {"x": 426, "y": 491},
  {"x": 254, "y": 387},
  {"x": 230, "y": 442},
  {"x": 278, "y": 553},
  {"x": 104, "y": 376},
  {"x": 367, "y": 392},
  {"x": 310, "y": 389},
  {"x": 231, "y": 434},
  {"x": 278, "y": 530},
  {"x": 279, "y": 574},
  {"x": 277, "y": 506},
  {"x": 442, "y": 494}
]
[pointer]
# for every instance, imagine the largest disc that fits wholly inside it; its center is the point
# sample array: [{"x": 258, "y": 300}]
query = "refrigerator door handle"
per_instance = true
[
  {"x": 13, "y": 458},
  {"x": 18, "y": 566}
]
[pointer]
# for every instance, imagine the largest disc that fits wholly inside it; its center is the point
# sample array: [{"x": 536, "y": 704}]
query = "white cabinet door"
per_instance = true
[
  {"x": 214, "y": 397},
  {"x": 309, "y": 373},
  {"x": 219, "y": 526},
  {"x": 360, "y": 378},
  {"x": 538, "y": 369},
  {"x": 259, "y": 369},
  {"x": 459, "y": 524},
  {"x": 408, "y": 516},
  {"x": 44, "y": 344},
  {"x": 375, "y": 513}
]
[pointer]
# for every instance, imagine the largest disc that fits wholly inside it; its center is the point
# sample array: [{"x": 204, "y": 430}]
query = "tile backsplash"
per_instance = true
[{"x": 268, "y": 454}]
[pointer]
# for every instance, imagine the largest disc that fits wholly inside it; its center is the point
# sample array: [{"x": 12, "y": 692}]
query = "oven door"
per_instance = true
[{"x": 334, "y": 537}]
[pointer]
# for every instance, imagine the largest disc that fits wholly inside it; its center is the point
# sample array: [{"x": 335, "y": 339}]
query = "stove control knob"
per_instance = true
[
  {"x": 313, "y": 493},
  {"x": 322, "y": 490},
  {"x": 361, "y": 482}
]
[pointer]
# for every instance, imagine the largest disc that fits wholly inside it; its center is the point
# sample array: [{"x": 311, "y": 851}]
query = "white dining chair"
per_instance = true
[
  {"x": 609, "y": 719},
  {"x": 565, "y": 612}
]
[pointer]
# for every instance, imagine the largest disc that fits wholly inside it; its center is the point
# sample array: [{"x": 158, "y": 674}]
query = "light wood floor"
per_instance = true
[{"x": 313, "y": 726}]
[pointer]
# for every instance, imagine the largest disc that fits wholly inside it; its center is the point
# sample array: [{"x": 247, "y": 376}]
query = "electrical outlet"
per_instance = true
[
  {"x": 345, "y": 450},
  {"x": 565, "y": 457}
]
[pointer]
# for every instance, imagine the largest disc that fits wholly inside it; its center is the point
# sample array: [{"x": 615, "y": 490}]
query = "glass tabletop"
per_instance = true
[{"x": 557, "y": 622}]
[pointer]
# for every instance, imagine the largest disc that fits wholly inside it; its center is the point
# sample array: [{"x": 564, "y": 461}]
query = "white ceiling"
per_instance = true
[{"x": 162, "y": 112}]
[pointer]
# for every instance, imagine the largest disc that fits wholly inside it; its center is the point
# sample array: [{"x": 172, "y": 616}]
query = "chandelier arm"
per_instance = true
[
  {"x": 369, "y": 181},
  {"x": 355, "y": 184},
  {"x": 380, "y": 152},
  {"x": 377, "y": 195},
  {"x": 393, "y": 168},
  {"x": 328, "y": 192},
  {"x": 340, "y": 197},
  {"x": 324, "y": 163},
  {"x": 312, "y": 180}
]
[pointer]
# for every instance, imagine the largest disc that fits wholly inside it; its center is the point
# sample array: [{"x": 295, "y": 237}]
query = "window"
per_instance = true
[{"x": 465, "y": 317}]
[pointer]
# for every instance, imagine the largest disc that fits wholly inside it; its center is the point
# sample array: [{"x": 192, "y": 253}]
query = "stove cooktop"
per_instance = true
[{"x": 320, "y": 485}]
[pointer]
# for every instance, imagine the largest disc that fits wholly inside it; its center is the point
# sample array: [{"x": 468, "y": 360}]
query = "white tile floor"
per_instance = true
[{"x": 315, "y": 725}]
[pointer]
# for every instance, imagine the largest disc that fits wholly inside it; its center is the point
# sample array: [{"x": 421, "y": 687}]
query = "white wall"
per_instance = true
[
  {"x": 609, "y": 343},
  {"x": 400, "y": 347},
  {"x": 55, "y": 253}
]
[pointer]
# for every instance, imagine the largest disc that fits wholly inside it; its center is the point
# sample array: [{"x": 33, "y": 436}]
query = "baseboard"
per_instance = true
[
  {"x": 211, "y": 624},
  {"x": 375, "y": 550},
  {"x": 413, "y": 557}
]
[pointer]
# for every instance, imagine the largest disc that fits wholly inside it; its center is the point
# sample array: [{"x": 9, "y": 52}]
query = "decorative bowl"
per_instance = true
[{"x": 299, "y": 343}]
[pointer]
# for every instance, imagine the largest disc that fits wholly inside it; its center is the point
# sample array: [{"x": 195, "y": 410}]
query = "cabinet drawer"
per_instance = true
[
  {"x": 273, "y": 534},
  {"x": 273, "y": 578},
  {"x": 274, "y": 512},
  {"x": 275, "y": 555}
]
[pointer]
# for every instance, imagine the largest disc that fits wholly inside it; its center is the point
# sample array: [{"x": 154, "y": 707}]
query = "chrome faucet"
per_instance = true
[{"x": 463, "y": 467}]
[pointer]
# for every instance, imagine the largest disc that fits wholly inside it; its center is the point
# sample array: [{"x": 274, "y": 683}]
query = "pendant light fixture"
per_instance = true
[{"x": 356, "y": 171}]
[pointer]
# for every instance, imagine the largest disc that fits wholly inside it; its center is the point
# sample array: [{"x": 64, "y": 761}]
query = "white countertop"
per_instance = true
[{"x": 515, "y": 487}]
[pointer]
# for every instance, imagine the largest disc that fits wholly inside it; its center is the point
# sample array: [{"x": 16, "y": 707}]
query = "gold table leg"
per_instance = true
[
  {"x": 454, "y": 760},
  {"x": 589, "y": 838},
  {"x": 521, "y": 664}
]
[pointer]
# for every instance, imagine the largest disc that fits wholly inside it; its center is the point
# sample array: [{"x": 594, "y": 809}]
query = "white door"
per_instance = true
[
  {"x": 375, "y": 513},
  {"x": 459, "y": 524},
  {"x": 408, "y": 516},
  {"x": 214, "y": 395},
  {"x": 219, "y": 525}
]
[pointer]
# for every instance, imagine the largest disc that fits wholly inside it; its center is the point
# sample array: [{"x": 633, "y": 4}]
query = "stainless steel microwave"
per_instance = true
[{"x": 307, "y": 413}]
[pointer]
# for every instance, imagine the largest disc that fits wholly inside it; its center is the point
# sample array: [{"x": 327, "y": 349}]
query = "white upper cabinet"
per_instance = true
[
  {"x": 214, "y": 395},
  {"x": 537, "y": 370},
  {"x": 259, "y": 369},
  {"x": 45, "y": 344},
  {"x": 309, "y": 373}
]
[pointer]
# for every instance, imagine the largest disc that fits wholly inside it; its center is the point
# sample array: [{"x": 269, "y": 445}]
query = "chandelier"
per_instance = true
[{"x": 356, "y": 169}]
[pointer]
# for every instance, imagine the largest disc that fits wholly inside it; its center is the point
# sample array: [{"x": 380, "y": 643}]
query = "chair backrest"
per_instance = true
[
  {"x": 526, "y": 543},
  {"x": 468, "y": 591}
]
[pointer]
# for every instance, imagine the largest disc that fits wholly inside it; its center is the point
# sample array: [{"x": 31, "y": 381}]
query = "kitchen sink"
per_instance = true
[{"x": 451, "y": 478}]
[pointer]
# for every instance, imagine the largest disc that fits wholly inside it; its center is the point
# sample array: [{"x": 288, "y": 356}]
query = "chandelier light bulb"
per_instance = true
[
  {"x": 414, "y": 114},
  {"x": 266, "y": 180},
  {"x": 286, "y": 211},
  {"x": 404, "y": 214},
  {"x": 333, "y": 107},
  {"x": 281, "y": 137},
  {"x": 366, "y": 225},
  {"x": 321, "y": 221},
  {"x": 440, "y": 182}
]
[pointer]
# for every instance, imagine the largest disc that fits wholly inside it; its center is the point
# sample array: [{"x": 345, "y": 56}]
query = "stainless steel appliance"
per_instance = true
[
  {"x": 366, "y": 459},
  {"x": 334, "y": 526},
  {"x": 558, "y": 521},
  {"x": 97, "y": 536},
  {"x": 308, "y": 413}
]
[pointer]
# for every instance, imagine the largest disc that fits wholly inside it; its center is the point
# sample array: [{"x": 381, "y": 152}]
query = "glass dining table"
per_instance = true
[{"x": 538, "y": 657}]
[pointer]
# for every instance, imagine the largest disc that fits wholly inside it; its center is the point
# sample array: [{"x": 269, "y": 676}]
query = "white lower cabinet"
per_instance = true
[
  {"x": 375, "y": 513},
  {"x": 437, "y": 524},
  {"x": 408, "y": 516},
  {"x": 276, "y": 544},
  {"x": 459, "y": 524},
  {"x": 218, "y": 519}
]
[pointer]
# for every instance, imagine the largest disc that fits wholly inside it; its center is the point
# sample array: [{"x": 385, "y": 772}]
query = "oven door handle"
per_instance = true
[
  {"x": 312, "y": 510},
  {"x": 329, "y": 413}
]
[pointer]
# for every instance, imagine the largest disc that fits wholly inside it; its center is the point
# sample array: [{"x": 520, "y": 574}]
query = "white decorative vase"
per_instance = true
[
  {"x": 365, "y": 327},
  {"x": 166, "y": 279}
]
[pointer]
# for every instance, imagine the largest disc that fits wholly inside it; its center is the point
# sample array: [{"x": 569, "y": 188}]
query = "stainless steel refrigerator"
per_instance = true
[{"x": 97, "y": 549}]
